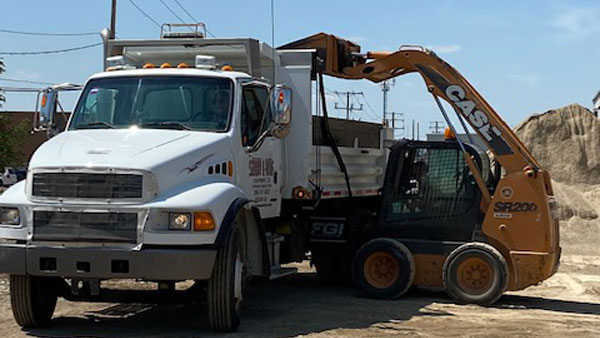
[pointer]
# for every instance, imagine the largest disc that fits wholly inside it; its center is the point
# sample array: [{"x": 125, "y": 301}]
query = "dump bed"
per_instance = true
[{"x": 362, "y": 148}]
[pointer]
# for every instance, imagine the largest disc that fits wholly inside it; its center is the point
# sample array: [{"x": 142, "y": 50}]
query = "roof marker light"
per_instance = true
[
  {"x": 166, "y": 65},
  {"x": 183, "y": 65},
  {"x": 149, "y": 65}
]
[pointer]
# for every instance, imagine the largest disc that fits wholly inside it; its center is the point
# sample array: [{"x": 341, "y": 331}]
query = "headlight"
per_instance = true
[
  {"x": 10, "y": 216},
  {"x": 180, "y": 221}
]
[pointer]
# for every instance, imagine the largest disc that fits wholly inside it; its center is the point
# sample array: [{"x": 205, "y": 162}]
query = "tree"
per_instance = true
[{"x": 12, "y": 138}]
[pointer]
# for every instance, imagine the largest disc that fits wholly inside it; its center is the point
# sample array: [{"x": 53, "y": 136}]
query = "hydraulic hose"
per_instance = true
[{"x": 326, "y": 132}]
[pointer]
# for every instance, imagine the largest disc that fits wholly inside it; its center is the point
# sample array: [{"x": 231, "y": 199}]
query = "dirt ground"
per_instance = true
[{"x": 568, "y": 304}]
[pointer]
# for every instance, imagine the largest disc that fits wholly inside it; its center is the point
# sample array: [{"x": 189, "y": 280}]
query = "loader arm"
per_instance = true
[{"x": 341, "y": 58}]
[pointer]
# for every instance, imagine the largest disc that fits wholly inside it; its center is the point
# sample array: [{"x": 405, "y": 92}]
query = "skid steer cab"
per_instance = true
[{"x": 428, "y": 229}]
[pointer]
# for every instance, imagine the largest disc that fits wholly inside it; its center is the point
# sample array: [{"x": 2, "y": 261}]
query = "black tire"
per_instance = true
[
  {"x": 325, "y": 262},
  {"x": 224, "y": 307},
  {"x": 475, "y": 273},
  {"x": 33, "y": 300},
  {"x": 388, "y": 259}
]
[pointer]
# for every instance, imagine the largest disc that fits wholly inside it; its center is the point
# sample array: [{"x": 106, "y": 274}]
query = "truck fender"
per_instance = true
[{"x": 253, "y": 234}]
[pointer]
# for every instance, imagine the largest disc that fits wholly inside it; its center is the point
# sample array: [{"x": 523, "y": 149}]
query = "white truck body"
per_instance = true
[{"x": 176, "y": 170}]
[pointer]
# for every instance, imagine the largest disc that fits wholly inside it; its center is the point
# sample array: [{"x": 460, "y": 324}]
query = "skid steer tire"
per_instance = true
[
  {"x": 475, "y": 273},
  {"x": 383, "y": 268},
  {"x": 33, "y": 300},
  {"x": 224, "y": 290}
]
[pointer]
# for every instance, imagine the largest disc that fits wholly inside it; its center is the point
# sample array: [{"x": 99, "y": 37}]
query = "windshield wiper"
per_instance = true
[
  {"x": 167, "y": 125},
  {"x": 94, "y": 124}
]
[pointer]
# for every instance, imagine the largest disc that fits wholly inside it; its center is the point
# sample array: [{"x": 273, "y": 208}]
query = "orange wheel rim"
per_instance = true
[
  {"x": 381, "y": 269},
  {"x": 475, "y": 275}
]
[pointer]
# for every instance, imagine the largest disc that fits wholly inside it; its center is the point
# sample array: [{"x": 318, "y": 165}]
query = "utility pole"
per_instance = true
[
  {"x": 415, "y": 129},
  {"x": 436, "y": 127},
  {"x": 385, "y": 88},
  {"x": 398, "y": 123},
  {"x": 113, "y": 19},
  {"x": 349, "y": 106}
]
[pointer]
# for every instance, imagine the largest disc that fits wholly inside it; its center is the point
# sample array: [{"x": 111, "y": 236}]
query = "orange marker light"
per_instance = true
[
  {"x": 230, "y": 168},
  {"x": 44, "y": 100},
  {"x": 149, "y": 65},
  {"x": 183, "y": 65},
  {"x": 203, "y": 221},
  {"x": 227, "y": 68},
  {"x": 281, "y": 97},
  {"x": 166, "y": 65}
]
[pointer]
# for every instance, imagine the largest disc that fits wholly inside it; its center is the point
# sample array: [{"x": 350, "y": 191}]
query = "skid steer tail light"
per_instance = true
[{"x": 203, "y": 221}]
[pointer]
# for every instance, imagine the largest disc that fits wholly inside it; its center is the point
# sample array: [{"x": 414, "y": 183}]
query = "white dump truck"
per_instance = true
[{"x": 187, "y": 159}]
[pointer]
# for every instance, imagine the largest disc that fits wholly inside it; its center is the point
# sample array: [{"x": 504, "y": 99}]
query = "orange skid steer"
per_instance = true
[{"x": 476, "y": 221}]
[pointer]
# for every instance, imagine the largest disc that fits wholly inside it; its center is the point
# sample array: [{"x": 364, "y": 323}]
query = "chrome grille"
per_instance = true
[
  {"x": 87, "y": 185},
  {"x": 85, "y": 226}
]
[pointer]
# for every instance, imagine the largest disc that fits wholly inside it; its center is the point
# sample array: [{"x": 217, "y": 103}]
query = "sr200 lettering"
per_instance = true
[{"x": 515, "y": 206}]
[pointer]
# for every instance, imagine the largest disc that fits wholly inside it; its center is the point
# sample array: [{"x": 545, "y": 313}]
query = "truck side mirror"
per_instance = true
[
  {"x": 281, "y": 101},
  {"x": 47, "y": 108}
]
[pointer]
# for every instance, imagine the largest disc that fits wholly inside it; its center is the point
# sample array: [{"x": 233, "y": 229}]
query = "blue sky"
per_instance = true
[{"x": 523, "y": 56}]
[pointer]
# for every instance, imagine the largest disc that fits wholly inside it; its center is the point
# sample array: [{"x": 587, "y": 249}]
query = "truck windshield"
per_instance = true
[{"x": 167, "y": 102}]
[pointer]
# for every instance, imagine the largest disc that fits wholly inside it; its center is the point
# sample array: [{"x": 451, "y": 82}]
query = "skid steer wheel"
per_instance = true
[
  {"x": 383, "y": 268},
  {"x": 33, "y": 299},
  {"x": 475, "y": 273},
  {"x": 224, "y": 291}
]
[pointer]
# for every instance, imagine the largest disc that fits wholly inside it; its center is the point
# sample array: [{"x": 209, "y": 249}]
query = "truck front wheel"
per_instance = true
[
  {"x": 224, "y": 292},
  {"x": 33, "y": 300}
]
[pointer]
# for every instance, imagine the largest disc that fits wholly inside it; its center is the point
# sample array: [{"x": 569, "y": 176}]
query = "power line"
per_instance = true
[
  {"x": 371, "y": 115},
  {"x": 10, "y": 31},
  {"x": 185, "y": 10},
  {"x": 144, "y": 13},
  {"x": 19, "y": 90},
  {"x": 369, "y": 106},
  {"x": 55, "y": 51},
  {"x": 25, "y": 81},
  {"x": 349, "y": 107},
  {"x": 191, "y": 17},
  {"x": 172, "y": 12}
]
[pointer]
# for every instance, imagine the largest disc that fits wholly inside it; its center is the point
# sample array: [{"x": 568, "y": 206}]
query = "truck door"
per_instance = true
[
  {"x": 262, "y": 164},
  {"x": 430, "y": 194}
]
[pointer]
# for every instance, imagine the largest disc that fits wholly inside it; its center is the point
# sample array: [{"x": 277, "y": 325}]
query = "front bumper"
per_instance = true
[{"x": 107, "y": 263}]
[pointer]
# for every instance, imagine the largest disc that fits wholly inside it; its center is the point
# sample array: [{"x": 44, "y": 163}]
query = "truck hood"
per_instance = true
[{"x": 164, "y": 152}]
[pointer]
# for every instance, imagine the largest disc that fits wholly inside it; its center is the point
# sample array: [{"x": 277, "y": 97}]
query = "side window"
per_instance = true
[
  {"x": 434, "y": 184},
  {"x": 254, "y": 107}
]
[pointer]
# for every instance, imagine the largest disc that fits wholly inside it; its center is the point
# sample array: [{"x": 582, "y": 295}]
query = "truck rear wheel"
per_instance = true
[
  {"x": 475, "y": 273},
  {"x": 33, "y": 300},
  {"x": 383, "y": 268},
  {"x": 224, "y": 292}
]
